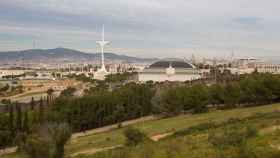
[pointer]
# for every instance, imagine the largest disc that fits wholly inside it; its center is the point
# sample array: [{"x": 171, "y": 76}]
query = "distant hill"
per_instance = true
[{"x": 64, "y": 54}]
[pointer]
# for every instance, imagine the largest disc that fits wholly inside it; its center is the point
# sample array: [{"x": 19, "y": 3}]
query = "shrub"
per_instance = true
[
  {"x": 134, "y": 136},
  {"x": 232, "y": 136}
]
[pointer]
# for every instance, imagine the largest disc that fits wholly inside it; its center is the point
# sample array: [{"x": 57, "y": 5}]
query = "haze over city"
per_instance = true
[{"x": 146, "y": 28}]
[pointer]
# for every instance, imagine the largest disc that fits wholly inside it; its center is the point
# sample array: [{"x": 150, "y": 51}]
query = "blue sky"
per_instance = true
[{"x": 144, "y": 28}]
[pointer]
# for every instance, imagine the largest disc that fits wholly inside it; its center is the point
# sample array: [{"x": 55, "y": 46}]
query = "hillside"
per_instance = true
[
  {"x": 264, "y": 117},
  {"x": 64, "y": 54}
]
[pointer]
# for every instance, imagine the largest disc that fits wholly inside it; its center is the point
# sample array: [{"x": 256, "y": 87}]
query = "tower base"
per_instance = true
[{"x": 100, "y": 74}]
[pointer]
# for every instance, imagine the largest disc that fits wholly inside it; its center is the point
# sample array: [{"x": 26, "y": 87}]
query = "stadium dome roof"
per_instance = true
[{"x": 174, "y": 63}]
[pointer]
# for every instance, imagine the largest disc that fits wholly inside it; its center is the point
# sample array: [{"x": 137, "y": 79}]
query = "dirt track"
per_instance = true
[{"x": 111, "y": 127}]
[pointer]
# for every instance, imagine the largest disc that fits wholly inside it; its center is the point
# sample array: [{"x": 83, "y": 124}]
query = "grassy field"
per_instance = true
[
  {"x": 155, "y": 127},
  {"x": 162, "y": 126},
  {"x": 196, "y": 144}
]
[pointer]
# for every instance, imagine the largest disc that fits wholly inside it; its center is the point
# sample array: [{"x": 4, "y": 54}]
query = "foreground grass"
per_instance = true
[
  {"x": 195, "y": 143},
  {"x": 155, "y": 127},
  {"x": 162, "y": 126}
]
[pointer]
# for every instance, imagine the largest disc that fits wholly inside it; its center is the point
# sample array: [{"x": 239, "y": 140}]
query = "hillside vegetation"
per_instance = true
[
  {"x": 255, "y": 136},
  {"x": 104, "y": 104},
  {"x": 262, "y": 117}
]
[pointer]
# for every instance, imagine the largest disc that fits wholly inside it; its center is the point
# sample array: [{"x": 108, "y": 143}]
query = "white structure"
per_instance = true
[
  {"x": 169, "y": 70},
  {"x": 244, "y": 63},
  {"x": 268, "y": 68},
  {"x": 4, "y": 73},
  {"x": 102, "y": 72},
  {"x": 250, "y": 65}
]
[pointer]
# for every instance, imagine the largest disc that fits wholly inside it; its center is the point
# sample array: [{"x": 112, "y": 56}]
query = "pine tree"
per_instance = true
[
  {"x": 32, "y": 103},
  {"x": 26, "y": 122},
  {"x": 11, "y": 119},
  {"x": 41, "y": 111},
  {"x": 18, "y": 118}
]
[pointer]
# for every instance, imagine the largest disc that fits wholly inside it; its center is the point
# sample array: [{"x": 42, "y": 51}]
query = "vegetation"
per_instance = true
[
  {"x": 251, "y": 90},
  {"x": 4, "y": 88},
  {"x": 233, "y": 139},
  {"x": 134, "y": 136},
  {"x": 8, "y": 90},
  {"x": 68, "y": 92},
  {"x": 103, "y": 105},
  {"x": 47, "y": 141},
  {"x": 262, "y": 117},
  {"x": 119, "y": 77}
]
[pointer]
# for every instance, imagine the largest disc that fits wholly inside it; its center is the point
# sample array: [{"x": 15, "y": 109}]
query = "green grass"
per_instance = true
[
  {"x": 115, "y": 137},
  {"x": 154, "y": 127},
  {"x": 196, "y": 144}
]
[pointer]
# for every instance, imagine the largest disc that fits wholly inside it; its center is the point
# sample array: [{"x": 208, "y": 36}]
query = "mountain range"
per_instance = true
[{"x": 66, "y": 55}]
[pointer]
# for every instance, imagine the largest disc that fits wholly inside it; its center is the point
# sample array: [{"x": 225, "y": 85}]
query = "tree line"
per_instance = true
[
  {"x": 101, "y": 107},
  {"x": 249, "y": 90}
]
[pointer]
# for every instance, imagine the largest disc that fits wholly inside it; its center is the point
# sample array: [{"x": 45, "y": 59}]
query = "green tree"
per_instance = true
[
  {"x": 11, "y": 120},
  {"x": 68, "y": 92},
  {"x": 197, "y": 98},
  {"x": 32, "y": 103},
  {"x": 50, "y": 95},
  {"x": 18, "y": 117},
  {"x": 217, "y": 94},
  {"x": 232, "y": 94},
  {"x": 60, "y": 134},
  {"x": 26, "y": 127},
  {"x": 41, "y": 111},
  {"x": 47, "y": 141}
]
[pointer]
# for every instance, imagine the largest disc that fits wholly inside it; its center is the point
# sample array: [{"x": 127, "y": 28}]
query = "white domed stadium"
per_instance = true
[{"x": 169, "y": 70}]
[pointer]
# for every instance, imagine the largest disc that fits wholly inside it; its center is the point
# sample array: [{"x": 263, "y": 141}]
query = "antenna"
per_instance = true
[
  {"x": 103, "y": 36},
  {"x": 102, "y": 45}
]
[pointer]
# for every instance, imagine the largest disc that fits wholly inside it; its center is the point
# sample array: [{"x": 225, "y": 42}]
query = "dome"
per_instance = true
[{"x": 173, "y": 63}]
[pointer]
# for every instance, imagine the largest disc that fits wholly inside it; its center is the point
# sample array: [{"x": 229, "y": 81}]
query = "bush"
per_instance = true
[
  {"x": 251, "y": 131},
  {"x": 235, "y": 135},
  {"x": 134, "y": 136}
]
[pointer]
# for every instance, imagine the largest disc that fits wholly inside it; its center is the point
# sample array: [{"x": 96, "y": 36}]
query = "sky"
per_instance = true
[{"x": 144, "y": 28}]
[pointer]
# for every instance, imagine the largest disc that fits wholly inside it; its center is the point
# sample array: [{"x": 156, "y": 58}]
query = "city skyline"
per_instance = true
[{"x": 144, "y": 28}]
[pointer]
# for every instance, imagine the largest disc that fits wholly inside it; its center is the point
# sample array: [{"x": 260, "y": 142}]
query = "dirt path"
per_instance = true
[
  {"x": 270, "y": 129},
  {"x": 160, "y": 136},
  {"x": 94, "y": 150},
  {"x": 8, "y": 151},
  {"x": 111, "y": 127}
]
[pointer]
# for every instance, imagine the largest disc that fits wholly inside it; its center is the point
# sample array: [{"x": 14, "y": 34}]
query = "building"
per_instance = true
[
  {"x": 268, "y": 68},
  {"x": 7, "y": 72},
  {"x": 44, "y": 85},
  {"x": 169, "y": 70}
]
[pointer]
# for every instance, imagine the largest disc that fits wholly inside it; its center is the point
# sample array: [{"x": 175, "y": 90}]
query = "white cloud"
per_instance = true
[{"x": 144, "y": 26}]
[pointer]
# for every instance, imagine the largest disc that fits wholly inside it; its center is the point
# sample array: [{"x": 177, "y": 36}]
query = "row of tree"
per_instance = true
[
  {"x": 250, "y": 90},
  {"x": 101, "y": 107}
]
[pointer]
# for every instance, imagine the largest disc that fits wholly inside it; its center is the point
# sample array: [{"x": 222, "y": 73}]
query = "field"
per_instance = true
[{"x": 89, "y": 144}]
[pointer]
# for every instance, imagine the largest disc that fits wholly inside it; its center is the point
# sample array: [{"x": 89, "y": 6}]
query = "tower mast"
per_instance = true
[{"x": 102, "y": 45}]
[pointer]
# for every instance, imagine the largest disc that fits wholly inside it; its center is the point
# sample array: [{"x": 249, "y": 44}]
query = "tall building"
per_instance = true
[{"x": 102, "y": 72}]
